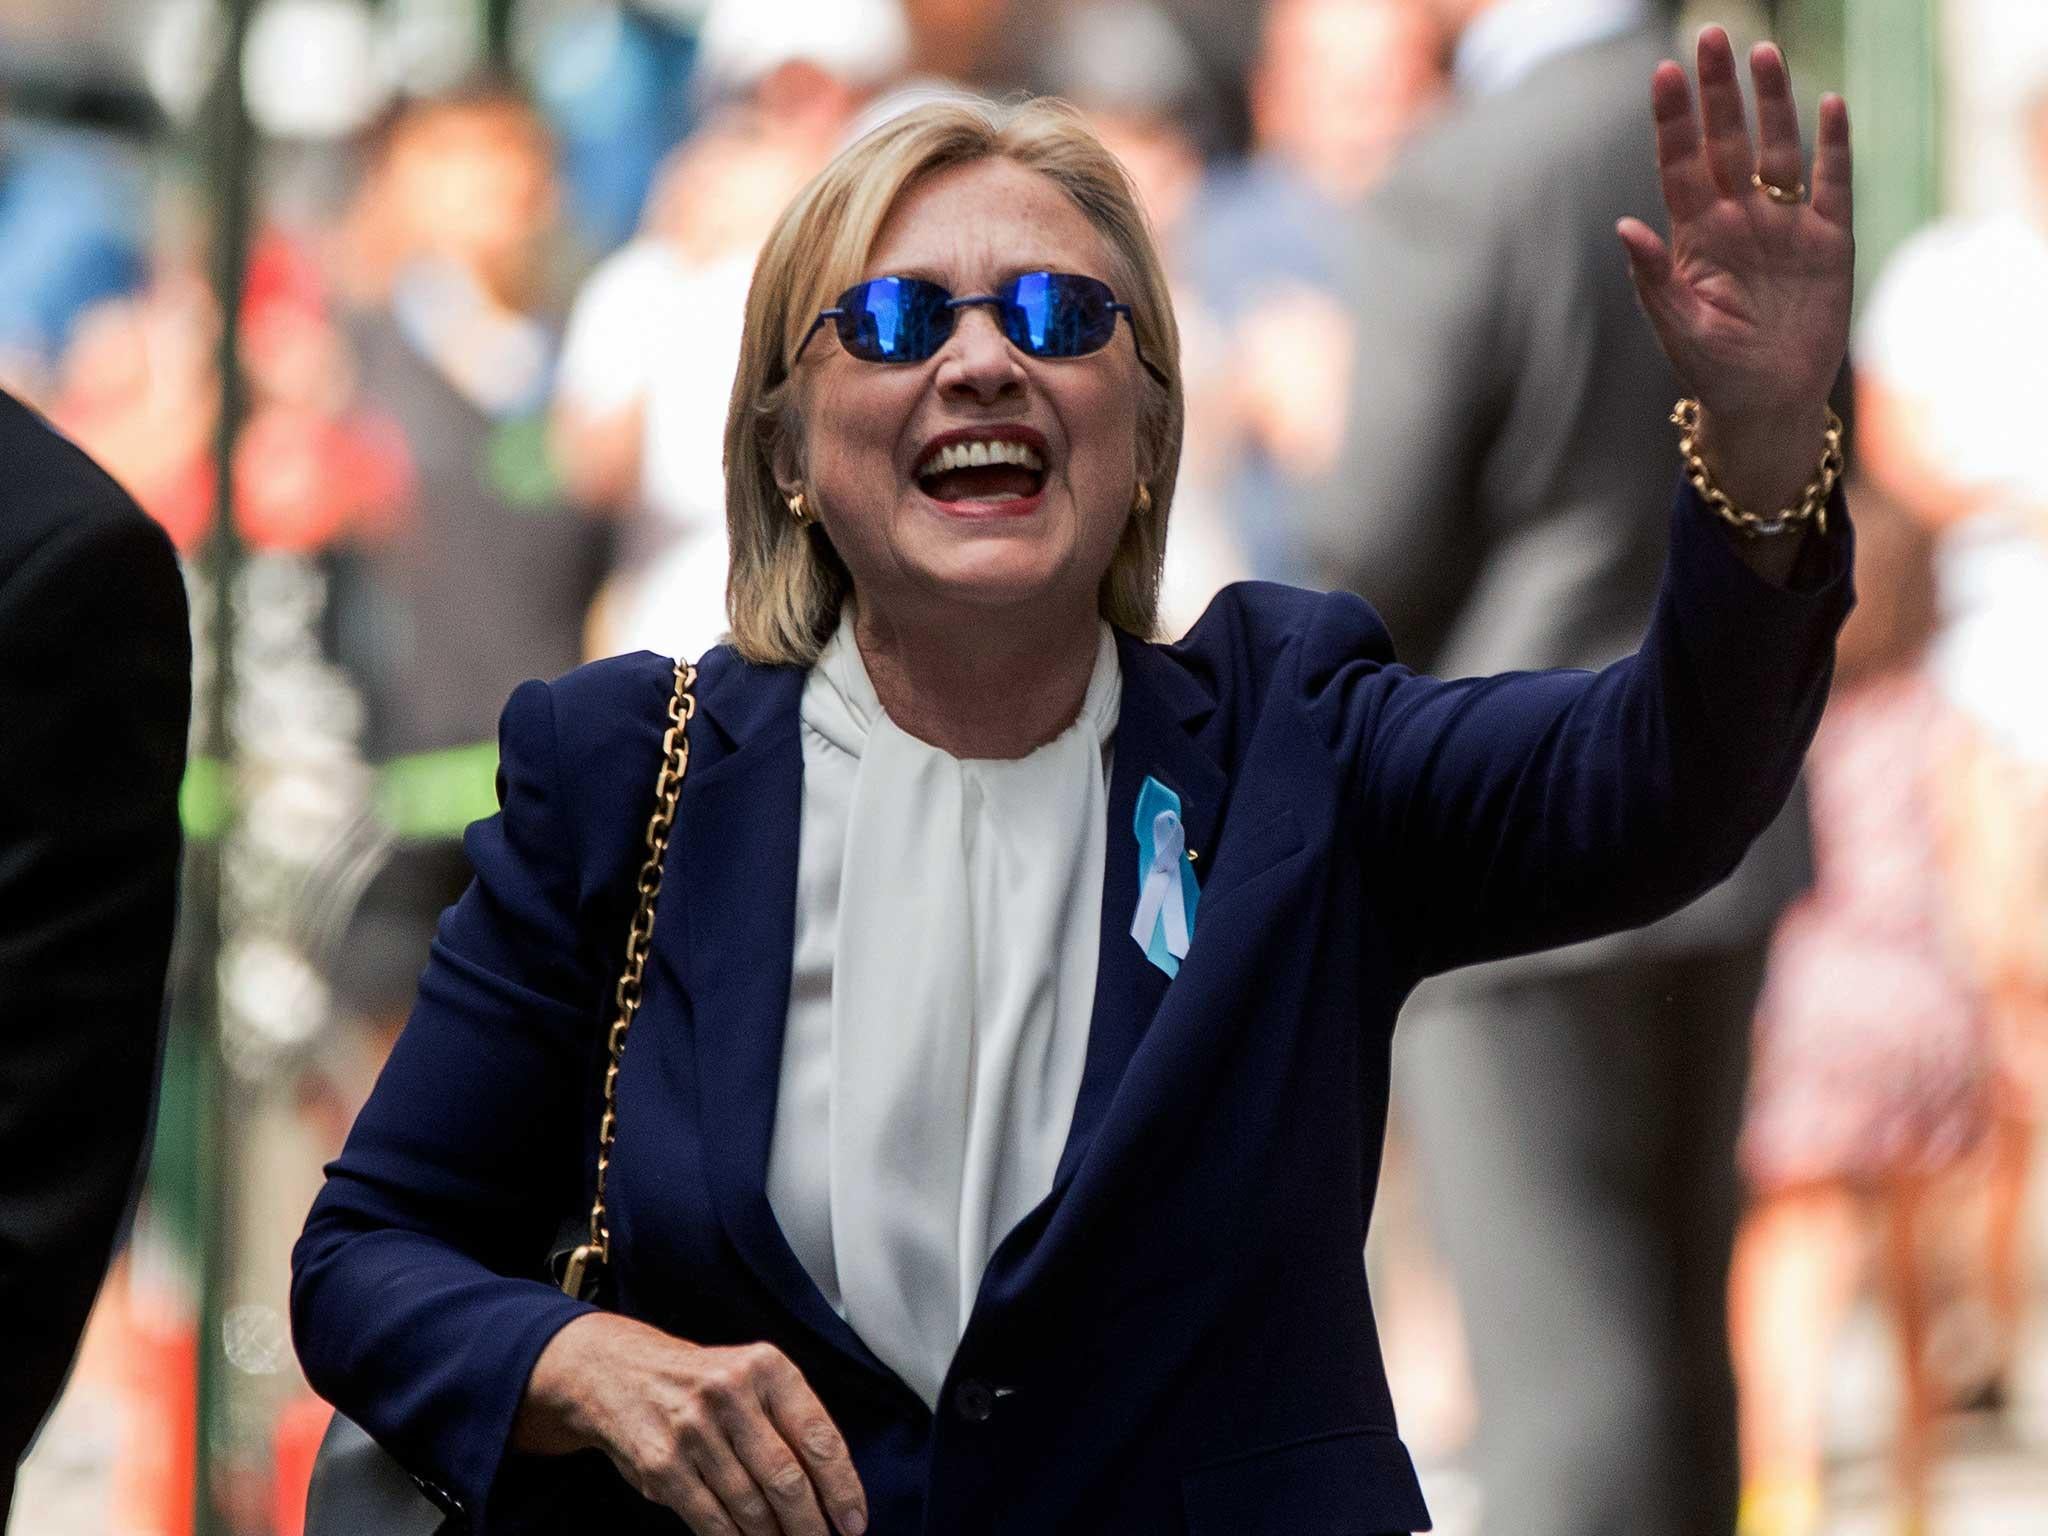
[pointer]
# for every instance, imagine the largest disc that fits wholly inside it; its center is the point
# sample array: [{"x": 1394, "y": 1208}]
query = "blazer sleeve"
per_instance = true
[
  {"x": 415, "y": 1307},
  {"x": 1512, "y": 813},
  {"x": 95, "y": 702}
]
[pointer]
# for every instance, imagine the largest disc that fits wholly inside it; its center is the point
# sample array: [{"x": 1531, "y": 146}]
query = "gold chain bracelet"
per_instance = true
[{"x": 1812, "y": 506}]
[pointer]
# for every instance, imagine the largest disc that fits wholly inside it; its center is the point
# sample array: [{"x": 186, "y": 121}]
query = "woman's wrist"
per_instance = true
[
  {"x": 1763, "y": 463},
  {"x": 557, "y": 1413}
]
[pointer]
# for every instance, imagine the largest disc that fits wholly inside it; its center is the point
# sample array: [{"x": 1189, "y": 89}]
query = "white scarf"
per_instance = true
[{"x": 963, "y": 981}]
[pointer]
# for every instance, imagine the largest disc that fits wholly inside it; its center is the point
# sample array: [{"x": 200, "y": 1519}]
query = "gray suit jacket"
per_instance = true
[{"x": 1507, "y": 454}]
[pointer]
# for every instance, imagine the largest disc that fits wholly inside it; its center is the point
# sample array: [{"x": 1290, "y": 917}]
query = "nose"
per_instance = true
[{"x": 977, "y": 362}]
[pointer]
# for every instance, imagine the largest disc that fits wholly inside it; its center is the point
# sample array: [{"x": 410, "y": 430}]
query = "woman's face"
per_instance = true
[{"x": 924, "y": 543}]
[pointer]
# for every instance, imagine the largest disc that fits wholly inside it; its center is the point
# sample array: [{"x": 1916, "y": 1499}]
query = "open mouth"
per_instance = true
[{"x": 984, "y": 471}]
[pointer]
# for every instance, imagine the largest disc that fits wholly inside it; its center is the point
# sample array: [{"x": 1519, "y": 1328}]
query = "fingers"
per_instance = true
[
  {"x": 1730, "y": 155},
  {"x": 805, "y": 1426},
  {"x": 768, "y": 1492},
  {"x": 761, "y": 1481},
  {"x": 671, "y": 1470},
  {"x": 1781, "y": 160},
  {"x": 1700, "y": 159},
  {"x": 702, "y": 1510},
  {"x": 1832, "y": 196},
  {"x": 1688, "y": 185},
  {"x": 1649, "y": 259},
  {"x": 742, "y": 1448},
  {"x": 1650, "y": 269}
]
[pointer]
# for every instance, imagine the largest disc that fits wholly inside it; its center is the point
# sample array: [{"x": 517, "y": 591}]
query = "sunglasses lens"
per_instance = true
[
  {"x": 894, "y": 319},
  {"x": 1059, "y": 314},
  {"x": 1045, "y": 314}
]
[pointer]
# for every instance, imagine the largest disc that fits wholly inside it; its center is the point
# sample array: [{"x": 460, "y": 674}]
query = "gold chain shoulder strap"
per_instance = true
[{"x": 586, "y": 1264}]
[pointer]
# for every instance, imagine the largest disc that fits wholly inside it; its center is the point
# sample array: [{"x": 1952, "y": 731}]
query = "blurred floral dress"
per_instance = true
[{"x": 1872, "y": 1056}]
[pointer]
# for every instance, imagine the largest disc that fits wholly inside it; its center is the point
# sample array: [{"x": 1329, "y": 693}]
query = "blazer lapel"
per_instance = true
[
  {"x": 738, "y": 828},
  {"x": 1157, "y": 736},
  {"x": 1162, "y": 708}
]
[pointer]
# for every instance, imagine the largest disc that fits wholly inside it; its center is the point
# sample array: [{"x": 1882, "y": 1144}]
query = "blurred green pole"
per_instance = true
[
  {"x": 498, "y": 31},
  {"x": 231, "y": 144},
  {"x": 1811, "y": 31},
  {"x": 1891, "y": 72}
]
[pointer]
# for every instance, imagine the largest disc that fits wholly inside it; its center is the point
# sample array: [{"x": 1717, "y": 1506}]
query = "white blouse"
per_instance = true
[{"x": 947, "y": 927}]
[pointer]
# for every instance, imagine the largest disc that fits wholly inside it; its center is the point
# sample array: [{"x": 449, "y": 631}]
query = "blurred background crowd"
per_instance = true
[{"x": 414, "y": 322}]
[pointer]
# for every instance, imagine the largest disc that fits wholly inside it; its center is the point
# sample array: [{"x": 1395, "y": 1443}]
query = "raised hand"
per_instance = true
[{"x": 1750, "y": 299}]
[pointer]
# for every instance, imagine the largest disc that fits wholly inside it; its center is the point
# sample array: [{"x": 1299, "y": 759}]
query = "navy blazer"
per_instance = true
[{"x": 1176, "y": 1341}]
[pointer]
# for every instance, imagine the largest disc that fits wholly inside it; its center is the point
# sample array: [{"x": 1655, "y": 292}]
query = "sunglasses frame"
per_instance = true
[{"x": 953, "y": 306}]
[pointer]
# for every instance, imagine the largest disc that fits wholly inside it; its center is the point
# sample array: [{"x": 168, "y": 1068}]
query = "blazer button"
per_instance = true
[{"x": 973, "y": 1401}]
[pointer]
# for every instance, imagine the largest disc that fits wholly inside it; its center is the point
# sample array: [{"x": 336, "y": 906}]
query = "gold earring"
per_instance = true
[
  {"x": 803, "y": 515},
  {"x": 1142, "y": 503}
]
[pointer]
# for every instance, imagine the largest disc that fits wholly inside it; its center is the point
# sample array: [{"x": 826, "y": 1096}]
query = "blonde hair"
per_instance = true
[{"x": 787, "y": 582}]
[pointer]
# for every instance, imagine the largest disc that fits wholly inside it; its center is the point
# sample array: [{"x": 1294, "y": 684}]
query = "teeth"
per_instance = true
[{"x": 977, "y": 454}]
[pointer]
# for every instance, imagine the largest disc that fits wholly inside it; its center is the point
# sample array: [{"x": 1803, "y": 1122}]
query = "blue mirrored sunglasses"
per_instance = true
[{"x": 1044, "y": 314}]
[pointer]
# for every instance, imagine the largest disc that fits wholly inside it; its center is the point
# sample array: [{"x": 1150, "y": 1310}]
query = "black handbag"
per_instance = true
[{"x": 359, "y": 1488}]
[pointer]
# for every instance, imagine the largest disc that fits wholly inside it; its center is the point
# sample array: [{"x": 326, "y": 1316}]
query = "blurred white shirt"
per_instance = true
[
  {"x": 650, "y": 327},
  {"x": 1957, "y": 326}
]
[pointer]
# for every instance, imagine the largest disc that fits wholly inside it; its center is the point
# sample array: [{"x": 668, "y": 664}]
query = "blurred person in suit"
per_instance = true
[
  {"x": 95, "y": 690},
  {"x": 997, "y": 45},
  {"x": 1575, "y": 1115},
  {"x": 1336, "y": 87},
  {"x": 1129, "y": 66}
]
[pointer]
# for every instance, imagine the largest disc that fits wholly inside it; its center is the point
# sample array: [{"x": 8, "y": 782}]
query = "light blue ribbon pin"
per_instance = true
[{"x": 1167, "y": 892}]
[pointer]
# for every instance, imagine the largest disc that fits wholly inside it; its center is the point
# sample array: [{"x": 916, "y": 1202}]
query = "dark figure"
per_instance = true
[
  {"x": 1576, "y": 1113},
  {"x": 95, "y": 698}
]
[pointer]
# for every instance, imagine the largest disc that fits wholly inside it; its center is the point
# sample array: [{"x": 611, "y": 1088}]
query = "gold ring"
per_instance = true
[{"x": 1785, "y": 196}]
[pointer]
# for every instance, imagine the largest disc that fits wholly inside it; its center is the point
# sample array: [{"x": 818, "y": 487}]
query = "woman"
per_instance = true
[{"x": 997, "y": 1138}]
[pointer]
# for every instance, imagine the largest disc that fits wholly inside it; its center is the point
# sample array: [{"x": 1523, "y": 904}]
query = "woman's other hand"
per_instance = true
[
  {"x": 1750, "y": 300},
  {"x": 731, "y": 1439}
]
